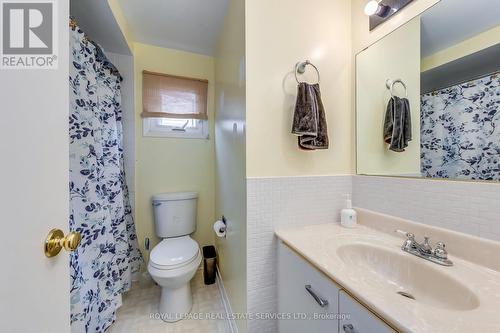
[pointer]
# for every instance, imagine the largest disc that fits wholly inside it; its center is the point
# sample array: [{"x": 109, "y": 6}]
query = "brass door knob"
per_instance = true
[{"x": 56, "y": 241}]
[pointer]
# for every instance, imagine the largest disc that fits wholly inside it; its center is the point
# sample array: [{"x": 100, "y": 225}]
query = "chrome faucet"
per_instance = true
[{"x": 424, "y": 250}]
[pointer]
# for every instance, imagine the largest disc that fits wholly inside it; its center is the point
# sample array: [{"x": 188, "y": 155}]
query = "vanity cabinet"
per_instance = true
[
  {"x": 358, "y": 319},
  {"x": 304, "y": 312},
  {"x": 309, "y": 301}
]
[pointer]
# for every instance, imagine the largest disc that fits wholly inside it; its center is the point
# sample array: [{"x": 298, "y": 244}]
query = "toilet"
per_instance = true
[{"x": 174, "y": 261}]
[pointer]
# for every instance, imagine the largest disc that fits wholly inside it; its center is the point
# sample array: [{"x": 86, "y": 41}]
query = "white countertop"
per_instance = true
[{"x": 319, "y": 244}]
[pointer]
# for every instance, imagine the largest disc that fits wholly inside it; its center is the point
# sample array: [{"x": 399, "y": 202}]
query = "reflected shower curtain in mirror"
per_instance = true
[
  {"x": 102, "y": 266},
  {"x": 460, "y": 131}
]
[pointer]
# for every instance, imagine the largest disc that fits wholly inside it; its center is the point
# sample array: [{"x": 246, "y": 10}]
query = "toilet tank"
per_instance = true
[{"x": 175, "y": 213}]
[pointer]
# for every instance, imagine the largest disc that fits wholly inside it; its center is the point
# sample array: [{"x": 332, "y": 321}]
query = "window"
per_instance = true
[
  {"x": 174, "y": 106},
  {"x": 175, "y": 128}
]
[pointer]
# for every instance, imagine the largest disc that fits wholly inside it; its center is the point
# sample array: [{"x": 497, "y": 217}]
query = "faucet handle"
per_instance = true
[
  {"x": 440, "y": 251},
  {"x": 409, "y": 242},
  {"x": 426, "y": 246}
]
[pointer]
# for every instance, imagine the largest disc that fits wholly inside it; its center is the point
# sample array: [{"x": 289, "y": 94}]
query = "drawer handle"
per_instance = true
[
  {"x": 322, "y": 302},
  {"x": 348, "y": 328}
]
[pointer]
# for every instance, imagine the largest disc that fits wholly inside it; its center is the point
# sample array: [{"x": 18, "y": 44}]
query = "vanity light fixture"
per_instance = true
[
  {"x": 375, "y": 7},
  {"x": 380, "y": 11}
]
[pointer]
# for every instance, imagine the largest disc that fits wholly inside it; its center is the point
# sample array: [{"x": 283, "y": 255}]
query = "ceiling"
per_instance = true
[
  {"x": 452, "y": 21},
  {"x": 187, "y": 25},
  {"x": 97, "y": 20}
]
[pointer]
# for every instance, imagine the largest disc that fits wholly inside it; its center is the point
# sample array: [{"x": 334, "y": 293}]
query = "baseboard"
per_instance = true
[{"x": 231, "y": 324}]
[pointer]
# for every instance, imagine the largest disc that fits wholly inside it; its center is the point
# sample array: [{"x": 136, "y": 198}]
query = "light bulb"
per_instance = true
[{"x": 371, "y": 7}]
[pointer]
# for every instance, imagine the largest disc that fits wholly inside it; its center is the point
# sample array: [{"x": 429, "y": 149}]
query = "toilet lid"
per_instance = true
[{"x": 174, "y": 251}]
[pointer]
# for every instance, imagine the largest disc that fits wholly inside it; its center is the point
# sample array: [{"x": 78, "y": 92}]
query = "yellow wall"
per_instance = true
[
  {"x": 280, "y": 33},
  {"x": 395, "y": 56},
  {"x": 230, "y": 155},
  {"x": 474, "y": 44},
  {"x": 168, "y": 164}
]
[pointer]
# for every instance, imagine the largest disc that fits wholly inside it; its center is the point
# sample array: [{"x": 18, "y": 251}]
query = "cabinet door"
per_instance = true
[
  {"x": 305, "y": 312},
  {"x": 358, "y": 319}
]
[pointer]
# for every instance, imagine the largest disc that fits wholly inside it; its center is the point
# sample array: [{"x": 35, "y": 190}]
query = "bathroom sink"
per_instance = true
[
  {"x": 412, "y": 294},
  {"x": 407, "y": 276}
]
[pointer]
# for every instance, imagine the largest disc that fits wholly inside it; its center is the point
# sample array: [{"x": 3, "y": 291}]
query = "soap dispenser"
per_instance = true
[{"x": 348, "y": 216}]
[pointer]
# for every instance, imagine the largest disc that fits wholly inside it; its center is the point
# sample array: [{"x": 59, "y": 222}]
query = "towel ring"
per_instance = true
[
  {"x": 390, "y": 85},
  {"x": 300, "y": 68}
]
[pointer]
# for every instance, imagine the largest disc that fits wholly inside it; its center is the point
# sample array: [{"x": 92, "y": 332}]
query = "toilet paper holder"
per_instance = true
[
  {"x": 224, "y": 228},
  {"x": 223, "y": 219}
]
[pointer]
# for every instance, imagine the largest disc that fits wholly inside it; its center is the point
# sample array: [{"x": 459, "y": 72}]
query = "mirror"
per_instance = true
[{"x": 428, "y": 96}]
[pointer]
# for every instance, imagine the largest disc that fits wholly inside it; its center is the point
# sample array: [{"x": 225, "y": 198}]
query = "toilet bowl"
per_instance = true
[
  {"x": 174, "y": 261},
  {"x": 172, "y": 265}
]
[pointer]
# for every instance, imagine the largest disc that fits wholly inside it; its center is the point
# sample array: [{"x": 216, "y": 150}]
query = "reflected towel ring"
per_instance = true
[
  {"x": 300, "y": 68},
  {"x": 390, "y": 85}
]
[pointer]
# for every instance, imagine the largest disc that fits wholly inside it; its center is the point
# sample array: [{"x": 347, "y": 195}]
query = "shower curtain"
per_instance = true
[
  {"x": 460, "y": 130},
  {"x": 102, "y": 266}
]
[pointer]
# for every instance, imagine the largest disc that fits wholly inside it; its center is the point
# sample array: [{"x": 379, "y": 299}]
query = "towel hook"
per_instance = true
[
  {"x": 300, "y": 68},
  {"x": 390, "y": 85}
]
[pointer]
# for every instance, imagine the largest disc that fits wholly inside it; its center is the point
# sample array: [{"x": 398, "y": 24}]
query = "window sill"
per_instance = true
[{"x": 149, "y": 130}]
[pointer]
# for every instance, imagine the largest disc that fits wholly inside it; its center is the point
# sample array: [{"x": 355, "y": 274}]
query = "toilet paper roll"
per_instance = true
[{"x": 220, "y": 228}]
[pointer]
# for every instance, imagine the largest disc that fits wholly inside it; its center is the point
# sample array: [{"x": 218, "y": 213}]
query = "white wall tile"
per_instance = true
[
  {"x": 468, "y": 207},
  {"x": 279, "y": 202}
]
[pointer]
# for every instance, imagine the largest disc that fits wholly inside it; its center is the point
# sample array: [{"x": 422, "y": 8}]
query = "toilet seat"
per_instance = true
[{"x": 173, "y": 253}]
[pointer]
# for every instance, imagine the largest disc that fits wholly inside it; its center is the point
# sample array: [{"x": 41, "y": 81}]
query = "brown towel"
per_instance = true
[
  {"x": 309, "y": 120},
  {"x": 397, "y": 125}
]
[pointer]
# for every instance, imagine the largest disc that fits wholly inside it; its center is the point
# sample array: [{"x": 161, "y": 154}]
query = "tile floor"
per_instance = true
[{"x": 141, "y": 303}]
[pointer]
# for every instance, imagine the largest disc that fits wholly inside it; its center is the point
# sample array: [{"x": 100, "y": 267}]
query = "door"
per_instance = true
[{"x": 34, "y": 289}]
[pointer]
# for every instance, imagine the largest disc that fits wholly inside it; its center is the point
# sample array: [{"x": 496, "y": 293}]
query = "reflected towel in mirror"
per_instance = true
[{"x": 397, "y": 125}]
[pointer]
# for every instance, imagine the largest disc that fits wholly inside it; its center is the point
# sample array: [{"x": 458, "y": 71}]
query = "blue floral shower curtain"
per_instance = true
[
  {"x": 102, "y": 266},
  {"x": 460, "y": 131}
]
